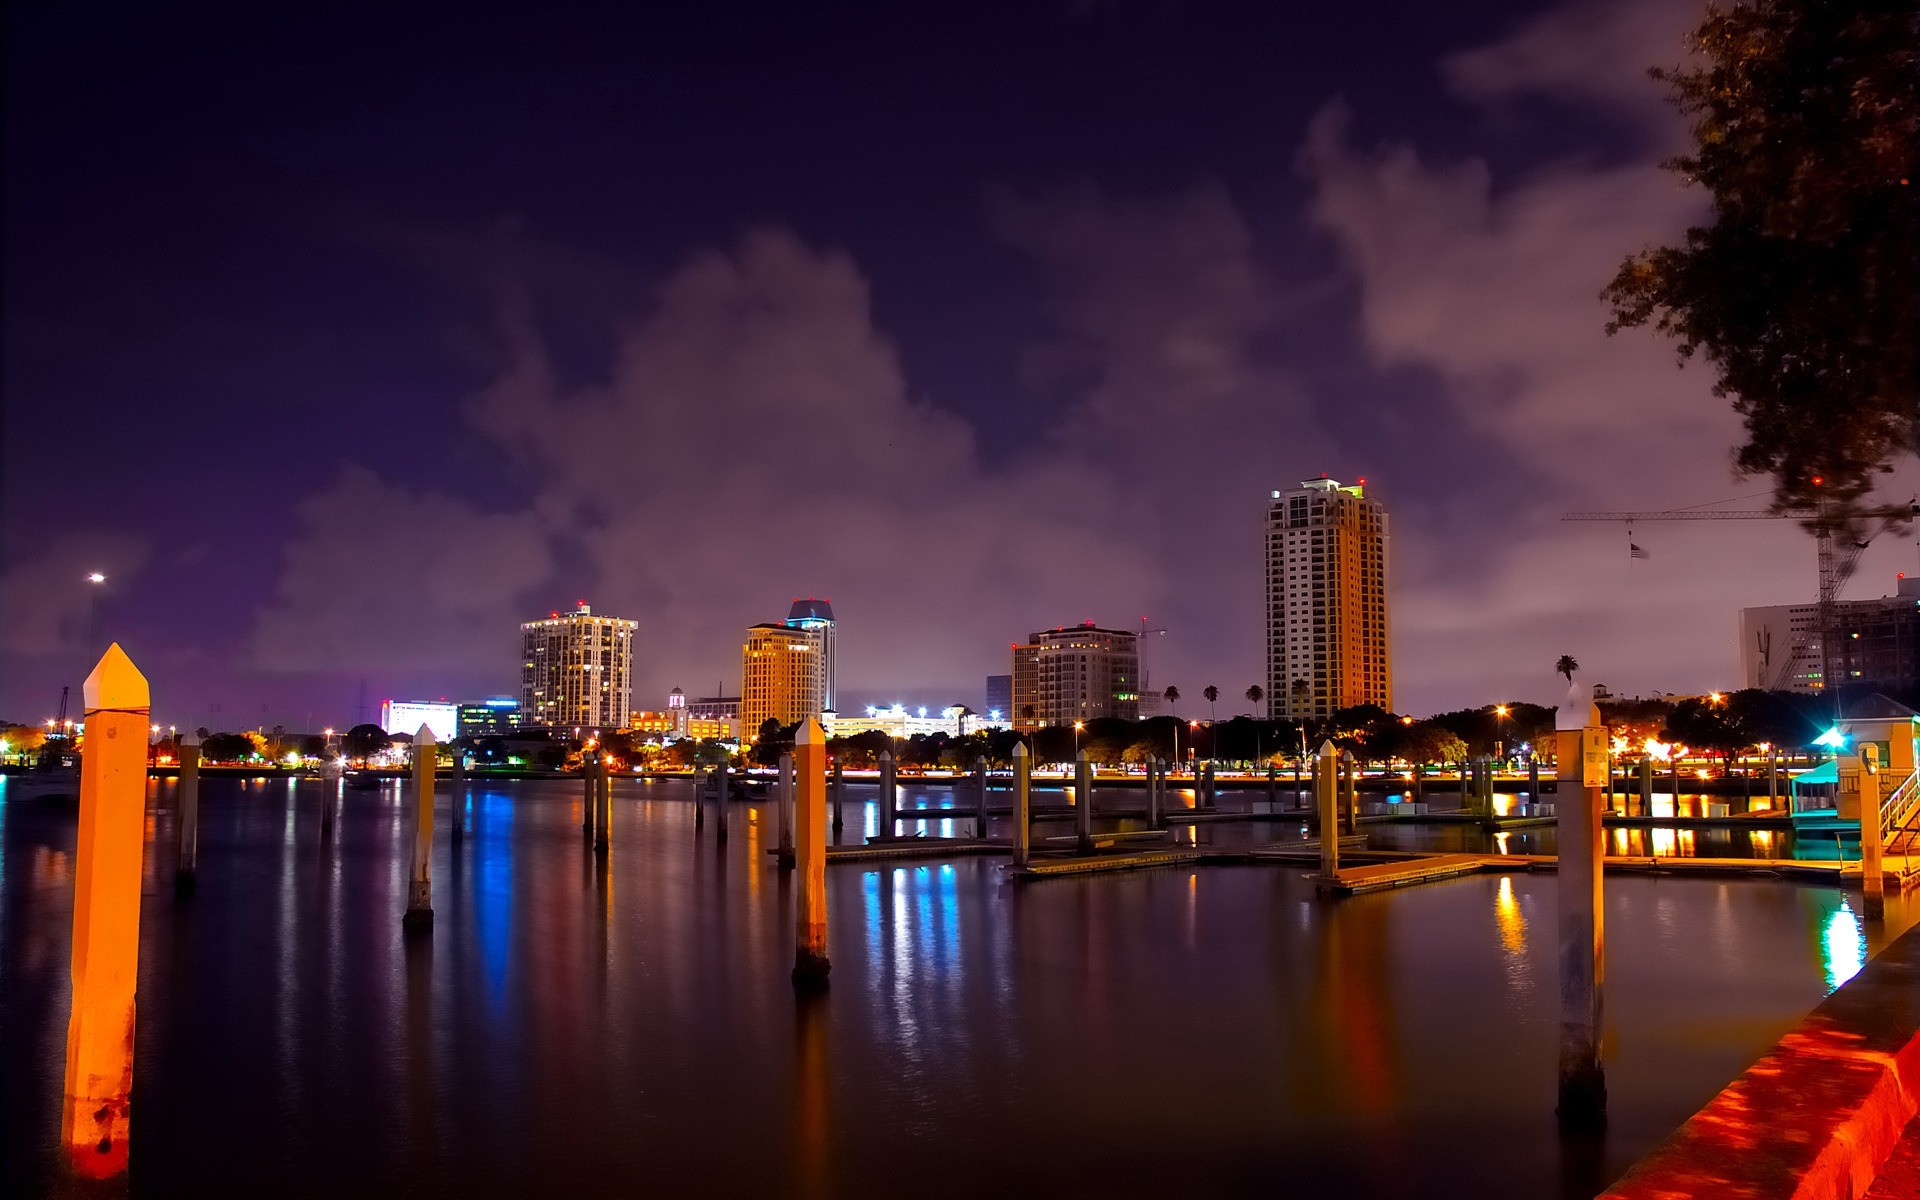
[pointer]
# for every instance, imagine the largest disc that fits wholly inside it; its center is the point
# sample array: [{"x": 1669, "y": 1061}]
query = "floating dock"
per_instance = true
[
  {"x": 899, "y": 848},
  {"x": 1352, "y": 881},
  {"x": 1126, "y": 860}
]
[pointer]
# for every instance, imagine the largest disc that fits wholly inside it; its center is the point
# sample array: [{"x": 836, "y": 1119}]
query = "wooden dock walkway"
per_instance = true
[
  {"x": 1352, "y": 881},
  {"x": 1126, "y": 860},
  {"x": 900, "y": 848}
]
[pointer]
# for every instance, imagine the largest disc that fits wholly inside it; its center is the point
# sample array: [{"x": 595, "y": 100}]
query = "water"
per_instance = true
[{"x": 579, "y": 1025}]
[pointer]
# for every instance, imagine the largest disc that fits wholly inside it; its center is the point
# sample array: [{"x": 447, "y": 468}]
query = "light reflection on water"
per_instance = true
[{"x": 573, "y": 1018}]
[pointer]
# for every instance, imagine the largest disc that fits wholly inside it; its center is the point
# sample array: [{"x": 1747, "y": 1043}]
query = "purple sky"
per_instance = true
[{"x": 343, "y": 345}]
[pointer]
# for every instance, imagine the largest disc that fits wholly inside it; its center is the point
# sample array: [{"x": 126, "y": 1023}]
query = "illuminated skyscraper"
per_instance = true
[
  {"x": 1326, "y": 600},
  {"x": 780, "y": 676},
  {"x": 816, "y": 617},
  {"x": 1076, "y": 673},
  {"x": 576, "y": 669}
]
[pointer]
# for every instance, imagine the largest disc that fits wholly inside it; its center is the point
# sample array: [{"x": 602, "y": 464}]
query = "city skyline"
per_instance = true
[{"x": 1026, "y": 382}]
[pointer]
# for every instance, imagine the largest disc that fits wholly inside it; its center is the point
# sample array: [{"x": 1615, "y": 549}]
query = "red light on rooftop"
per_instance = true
[{"x": 1363, "y": 479}]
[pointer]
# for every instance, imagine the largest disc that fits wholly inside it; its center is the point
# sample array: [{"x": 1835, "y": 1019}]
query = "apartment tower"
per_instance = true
[
  {"x": 1326, "y": 600},
  {"x": 780, "y": 676},
  {"x": 576, "y": 669},
  {"x": 1076, "y": 673}
]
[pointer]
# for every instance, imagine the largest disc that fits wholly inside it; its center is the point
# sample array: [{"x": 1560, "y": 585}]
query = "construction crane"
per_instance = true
[
  {"x": 1145, "y": 679},
  {"x": 1836, "y": 561}
]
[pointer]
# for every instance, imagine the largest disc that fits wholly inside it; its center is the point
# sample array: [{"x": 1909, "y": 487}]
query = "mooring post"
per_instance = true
[
  {"x": 1155, "y": 781},
  {"x": 457, "y": 798},
  {"x": 980, "y": 790},
  {"x": 603, "y": 803},
  {"x": 333, "y": 785},
  {"x": 723, "y": 797},
  {"x": 1022, "y": 805},
  {"x": 1873, "y": 886},
  {"x": 1273, "y": 788},
  {"x": 426, "y": 756},
  {"x": 1533, "y": 784},
  {"x": 1350, "y": 793},
  {"x": 1773, "y": 777},
  {"x": 783, "y": 800},
  {"x": 810, "y": 963},
  {"x": 589, "y": 796},
  {"x": 839, "y": 793},
  {"x": 700, "y": 781},
  {"x": 105, "y": 959},
  {"x": 888, "y": 798},
  {"x": 1326, "y": 795},
  {"x": 187, "y": 819},
  {"x": 1419, "y": 773},
  {"x": 1580, "y": 755},
  {"x": 1083, "y": 802}
]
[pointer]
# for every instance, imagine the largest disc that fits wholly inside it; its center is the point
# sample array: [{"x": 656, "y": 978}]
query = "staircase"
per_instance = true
[{"x": 1900, "y": 818}]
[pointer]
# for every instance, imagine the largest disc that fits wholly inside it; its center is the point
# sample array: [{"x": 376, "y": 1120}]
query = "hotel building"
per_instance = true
[
  {"x": 1326, "y": 600},
  {"x": 780, "y": 676}
]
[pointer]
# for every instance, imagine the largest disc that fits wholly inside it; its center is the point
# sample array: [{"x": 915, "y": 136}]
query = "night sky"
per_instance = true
[{"x": 342, "y": 341}]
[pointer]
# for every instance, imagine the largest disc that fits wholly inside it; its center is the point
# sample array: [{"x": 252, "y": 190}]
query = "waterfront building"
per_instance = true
[
  {"x": 1000, "y": 694},
  {"x": 652, "y": 724},
  {"x": 779, "y": 676},
  {"x": 496, "y": 716},
  {"x": 1327, "y": 645},
  {"x": 1076, "y": 673},
  {"x": 1875, "y": 644},
  {"x": 577, "y": 670},
  {"x": 815, "y": 618},
  {"x": 901, "y": 722},
  {"x": 407, "y": 716}
]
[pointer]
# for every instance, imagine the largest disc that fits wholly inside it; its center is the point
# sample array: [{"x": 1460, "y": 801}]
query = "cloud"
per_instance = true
[
  {"x": 46, "y": 603},
  {"x": 386, "y": 579}
]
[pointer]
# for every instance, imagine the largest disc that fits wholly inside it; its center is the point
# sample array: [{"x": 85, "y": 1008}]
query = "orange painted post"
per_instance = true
[
  {"x": 810, "y": 963},
  {"x": 186, "y": 818},
  {"x": 1022, "y": 805},
  {"x": 1580, "y": 754},
  {"x": 1326, "y": 797},
  {"x": 1873, "y": 879},
  {"x": 106, "y": 918},
  {"x": 426, "y": 758},
  {"x": 784, "y": 802}
]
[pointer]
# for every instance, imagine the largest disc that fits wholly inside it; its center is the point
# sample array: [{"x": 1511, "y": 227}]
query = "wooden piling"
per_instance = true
[
  {"x": 1326, "y": 784},
  {"x": 1083, "y": 801},
  {"x": 723, "y": 800},
  {"x": 700, "y": 781},
  {"x": 457, "y": 798},
  {"x": 1156, "y": 792},
  {"x": 589, "y": 796},
  {"x": 889, "y": 798},
  {"x": 603, "y": 804},
  {"x": 1580, "y": 755},
  {"x": 1273, "y": 788},
  {"x": 1349, "y": 793},
  {"x": 1022, "y": 805},
  {"x": 783, "y": 800},
  {"x": 839, "y": 795},
  {"x": 333, "y": 786},
  {"x": 810, "y": 963},
  {"x": 186, "y": 833},
  {"x": 105, "y": 964},
  {"x": 980, "y": 792},
  {"x": 426, "y": 755}
]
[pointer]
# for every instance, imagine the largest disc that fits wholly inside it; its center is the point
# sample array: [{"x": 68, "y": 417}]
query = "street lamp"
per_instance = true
[{"x": 1077, "y": 727}]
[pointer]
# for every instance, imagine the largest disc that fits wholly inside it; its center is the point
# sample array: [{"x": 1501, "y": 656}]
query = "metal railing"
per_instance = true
[{"x": 1897, "y": 813}]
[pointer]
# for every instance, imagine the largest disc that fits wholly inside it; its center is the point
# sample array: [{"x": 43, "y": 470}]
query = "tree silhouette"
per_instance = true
[
  {"x": 1567, "y": 666},
  {"x": 1212, "y": 693},
  {"x": 1255, "y": 695},
  {"x": 1172, "y": 697}
]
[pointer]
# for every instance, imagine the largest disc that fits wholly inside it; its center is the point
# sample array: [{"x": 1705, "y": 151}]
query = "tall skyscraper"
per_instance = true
[
  {"x": 1076, "y": 673},
  {"x": 816, "y": 618},
  {"x": 780, "y": 676},
  {"x": 577, "y": 669},
  {"x": 1326, "y": 600}
]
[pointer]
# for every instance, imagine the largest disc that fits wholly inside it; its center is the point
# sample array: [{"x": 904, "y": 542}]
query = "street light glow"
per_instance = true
[{"x": 95, "y": 577}]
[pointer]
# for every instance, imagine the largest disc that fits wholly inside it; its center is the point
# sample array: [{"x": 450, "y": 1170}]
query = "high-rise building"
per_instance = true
[
  {"x": 816, "y": 618},
  {"x": 1327, "y": 643},
  {"x": 1076, "y": 673},
  {"x": 576, "y": 669},
  {"x": 780, "y": 676},
  {"x": 1874, "y": 643},
  {"x": 1000, "y": 695},
  {"x": 496, "y": 716}
]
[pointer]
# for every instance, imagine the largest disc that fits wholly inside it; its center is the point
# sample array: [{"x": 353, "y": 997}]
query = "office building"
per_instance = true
[
  {"x": 999, "y": 695},
  {"x": 1875, "y": 643},
  {"x": 780, "y": 676},
  {"x": 1076, "y": 673},
  {"x": 494, "y": 717},
  {"x": 1327, "y": 645},
  {"x": 815, "y": 617},
  {"x": 576, "y": 670},
  {"x": 899, "y": 721}
]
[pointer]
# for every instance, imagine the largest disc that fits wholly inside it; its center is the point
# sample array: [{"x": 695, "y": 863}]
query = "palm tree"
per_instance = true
[
  {"x": 1212, "y": 693},
  {"x": 1172, "y": 697},
  {"x": 1255, "y": 695},
  {"x": 1567, "y": 666}
]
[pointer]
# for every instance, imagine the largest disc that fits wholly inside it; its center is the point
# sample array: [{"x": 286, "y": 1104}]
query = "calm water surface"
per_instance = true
[{"x": 627, "y": 1026}]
